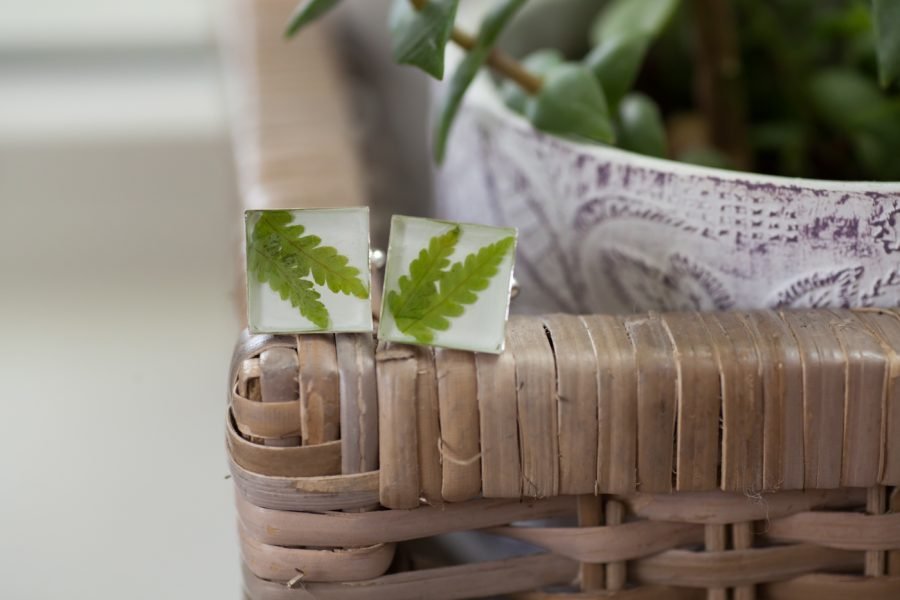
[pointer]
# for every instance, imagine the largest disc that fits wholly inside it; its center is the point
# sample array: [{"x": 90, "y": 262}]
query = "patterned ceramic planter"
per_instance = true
[{"x": 603, "y": 230}]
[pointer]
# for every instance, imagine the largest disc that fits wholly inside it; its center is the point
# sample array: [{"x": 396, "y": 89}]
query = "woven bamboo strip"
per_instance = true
[
  {"x": 646, "y": 592},
  {"x": 276, "y": 563},
  {"x": 742, "y": 407},
  {"x": 250, "y": 346},
  {"x": 875, "y": 557},
  {"x": 656, "y": 402},
  {"x": 446, "y": 583},
  {"x": 592, "y": 576},
  {"x": 715, "y": 539},
  {"x": 501, "y": 467},
  {"x": 285, "y": 528},
  {"x": 536, "y": 404},
  {"x": 248, "y": 373},
  {"x": 861, "y": 354},
  {"x": 886, "y": 327},
  {"x": 680, "y": 568},
  {"x": 338, "y": 484},
  {"x": 460, "y": 444},
  {"x": 677, "y": 567},
  {"x": 428, "y": 427},
  {"x": 782, "y": 385},
  {"x": 833, "y": 587},
  {"x": 320, "y": 410},
  {"x": 615, "y": 571},
  {"x": 248, "y": 380},
  {"x": 867, "y": 377},
  {"x": 396, "y": 376},
  {"x": 278, "y": 384},
  {"x": 298, "y": 461},
  {"x": 266, "y": 420},
  {"x": 824, "y": 380},
  {"x": 294, "y": 131},
  {"x": 742, "y": 539},
  {"x": 893, "y": 557},
  {"x": 697, "y": 397},
  {"x": 739, "y": 567},
  {"x": 358, "y": 402},
  {"x": 616, "y": 405},
  {"x": 315, "y": 494},
  {"x": 721, "y": 508},
  {"x": 576, "y": 393},
  {"x": 848, "y": 531},
  {"x": 611, "y": 543},
  {"x": 775, "y": 365}
]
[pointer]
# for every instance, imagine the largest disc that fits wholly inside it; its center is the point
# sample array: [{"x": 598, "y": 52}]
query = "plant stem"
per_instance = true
[
  {"x": 503, "y": 63},
  {"x": 718, "y": 82},
  {"x": 498, "y": 60}
]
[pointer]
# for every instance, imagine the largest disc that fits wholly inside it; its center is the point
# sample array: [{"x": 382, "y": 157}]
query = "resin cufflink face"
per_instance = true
[
  {"x": 308, "y": 270},
  {"x": 447, "y": 284}
]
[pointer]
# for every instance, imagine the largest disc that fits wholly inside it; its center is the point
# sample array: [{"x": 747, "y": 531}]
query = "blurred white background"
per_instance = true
[{"x": 117, "y": 264}]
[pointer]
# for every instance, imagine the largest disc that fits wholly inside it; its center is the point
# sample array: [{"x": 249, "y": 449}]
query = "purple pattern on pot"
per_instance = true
[{"x": 606, "y": 231}]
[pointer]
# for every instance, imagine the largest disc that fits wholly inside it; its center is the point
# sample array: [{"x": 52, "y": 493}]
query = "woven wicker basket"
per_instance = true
[{"x": 728, "y": 455}]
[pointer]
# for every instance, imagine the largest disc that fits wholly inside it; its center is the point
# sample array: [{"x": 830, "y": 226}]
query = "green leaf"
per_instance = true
[
  {"x": 786, "y": 139},
  {"x": 850, "y": 21},
  {"x": 886, "y": 18},
  {"x": 571, "y": 103},
  {"x": 419, "y": 288},
  {"x": 307, "y": 12},
  {"x": 850, "y": 102},
  {"x": 641, "y": 127},
  {"x": 285, "y": 277},
  {"x": 327, "y": 265},
  {"x": 615, "y": 62},
  {"x": 418, "y": 37},
  {"x": 855, "y": 106},
  {"x": 706, "y": 156},
  {"x": 490, "y": 29},
  {"x": 632, "y": 17},
  {"x": 279, "y": 254},
  {"x": 458, "y": 288},
  {"x": 537, "y": 63}
]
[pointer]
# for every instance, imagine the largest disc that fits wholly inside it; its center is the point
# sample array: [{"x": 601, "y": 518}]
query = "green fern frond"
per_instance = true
[
  {"x": 285, "y": 277},
  {"x": 279, "y": 254},
  {"x": 419, "y": 287},
  {"x": 458, "y": 287},
  {"x": 328, "y": 266}
]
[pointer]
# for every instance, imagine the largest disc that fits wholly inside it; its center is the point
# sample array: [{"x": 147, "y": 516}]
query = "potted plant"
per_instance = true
[{"x": 702, "y": 154}]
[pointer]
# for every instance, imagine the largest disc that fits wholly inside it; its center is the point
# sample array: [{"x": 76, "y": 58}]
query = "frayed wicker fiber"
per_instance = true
[{"x": 744, "y": 455}]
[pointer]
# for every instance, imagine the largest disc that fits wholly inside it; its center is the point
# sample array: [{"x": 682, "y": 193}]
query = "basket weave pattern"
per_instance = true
[{"x": 728, "y": 455}]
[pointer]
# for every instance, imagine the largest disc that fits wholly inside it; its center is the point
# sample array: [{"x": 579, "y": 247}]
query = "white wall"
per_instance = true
[{"x": 116, "y": 257}]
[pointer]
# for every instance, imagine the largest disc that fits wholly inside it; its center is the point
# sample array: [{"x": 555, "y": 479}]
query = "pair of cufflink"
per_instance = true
[{"x": 446, "y": 284}]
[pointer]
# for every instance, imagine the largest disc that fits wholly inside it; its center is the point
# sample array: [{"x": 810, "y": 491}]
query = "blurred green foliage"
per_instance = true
[{"x": 820, "y": 79}]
